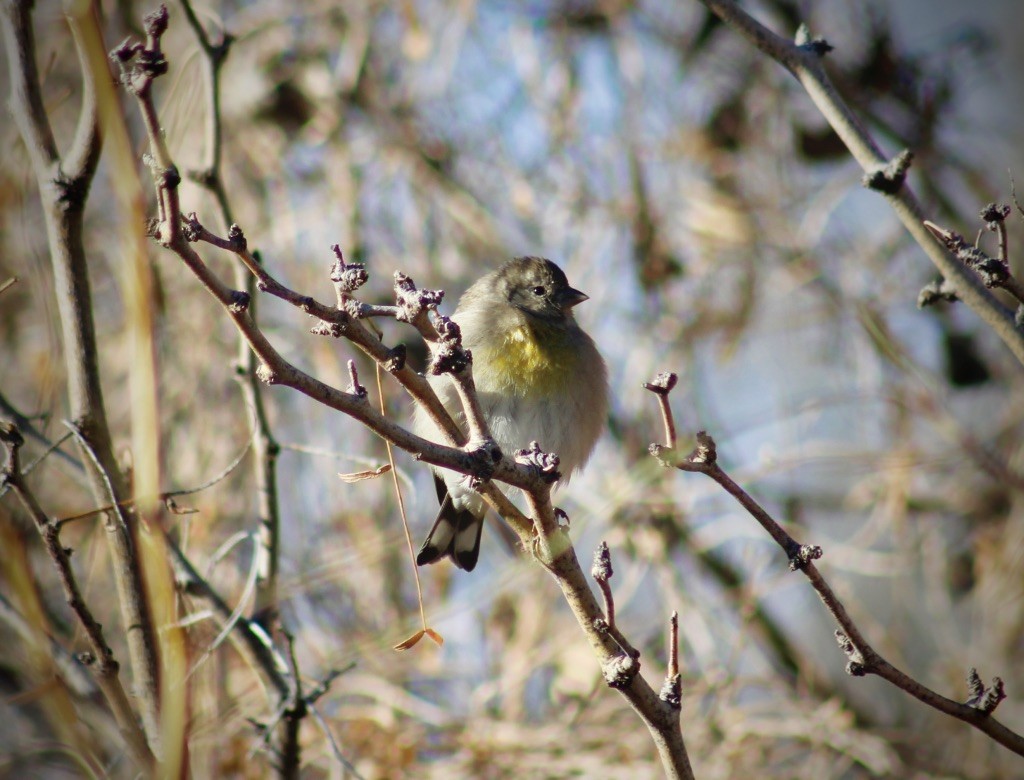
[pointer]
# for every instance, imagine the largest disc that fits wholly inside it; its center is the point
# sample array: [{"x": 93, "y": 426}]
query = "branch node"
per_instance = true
[
  {"x": 413, "y": 303},
  {"x": 13, "y": 438},
  {"x": 140, "y": 64},
  {"x": 855, "y": 666},
  {"x": 324, "y": 328},
  {"x": 237, "y": 238},
  {"x": 672, "y": 692},
  {"x": 169, "y": 177},
  {"x": 240, "y": 301},
  {"x": 483, "y": 454},
  {"x": 620, "y": 671},
  {"x": 266, "y": 374},
  {"x": 993, "y": 271},
  {"x": 601, "y": 569},
  {"x": 450, "y": 357},
  {"x": 889, "y": 178},
  {"x": 352, "y": 307},
  {"x": 803, "y": 555},
  {"x": 994, "y": 214},
  {"x": 155, "y": 22},
  {"x": 123, "y": 52},
  {"x": 205, "y": 177},
  {"x": 395, "y": 361},
  {"x": 663, "y": 383},
  {"x": 190, "y": 225},
  {"x": 817, "y": 46},
  {"x": 347, "y": 277},
  {"x": 544, "y": 463},
  {"x": 706, "y": 450},
  {"x": 933, "y": 292},
  {"x": 984, "y": 699}
]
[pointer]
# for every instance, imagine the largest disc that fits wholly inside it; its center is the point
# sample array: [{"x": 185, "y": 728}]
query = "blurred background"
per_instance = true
[{"x": 688, "y": 185}]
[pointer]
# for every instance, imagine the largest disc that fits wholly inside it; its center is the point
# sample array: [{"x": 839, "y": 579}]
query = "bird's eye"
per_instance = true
[{"x": 539, "y": 290}]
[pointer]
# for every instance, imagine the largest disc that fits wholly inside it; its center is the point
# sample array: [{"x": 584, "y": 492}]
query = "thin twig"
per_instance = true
[
  {"x": 51, "y": 448},
  {"x": 219, "y": 477},
  {"x": 661, "y": 386},
  {"x": 673, "y": 645},
  {"x": 602, "y": 572},
  {"x": 803, "y": 58},
  {"x": 994, "y": 272},
  {"x": 257, "y": 645},
  {"x": 27, "y": 428},
  {"x": 863, "y": 658},
  {"x": 101, "y": 659},
  {"x": 166, "y": 497},
  {"x": 672, "y": 688},
  {"x": 325, "y": 729},
  {"x": 231, "y": 621}
]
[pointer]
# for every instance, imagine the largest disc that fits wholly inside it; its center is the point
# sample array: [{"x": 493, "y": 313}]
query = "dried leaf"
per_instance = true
[
  {"x": 359, "y": 476},
  {"x": 415, "y": 638},
  {"x": 410, "y": 642}
]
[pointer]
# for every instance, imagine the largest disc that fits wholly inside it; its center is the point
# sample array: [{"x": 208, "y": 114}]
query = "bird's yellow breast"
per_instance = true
[{"x": 528, "y": 360}]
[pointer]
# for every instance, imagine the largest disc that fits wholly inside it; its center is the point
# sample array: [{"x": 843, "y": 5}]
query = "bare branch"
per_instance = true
[
  {"x": 803, "y": 58},
  {"x": 101, "y": 658},
  {"x": 863, "y": 658},
  {"x": 671, "y": 689},
  {"x": 63, "y": 195},
  {"x": 479, "y": 459},
  {"x": 661, "y": 386},
  {"x": 601, "y": 571},
  {"x": 994, "y": 272}
]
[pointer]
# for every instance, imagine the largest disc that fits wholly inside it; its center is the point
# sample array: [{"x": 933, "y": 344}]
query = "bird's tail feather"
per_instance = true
[{"x": 456, "y": 534}]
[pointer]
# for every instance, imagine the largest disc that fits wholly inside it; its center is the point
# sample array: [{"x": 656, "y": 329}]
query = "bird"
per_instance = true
[{"x": 539, "y": 377}]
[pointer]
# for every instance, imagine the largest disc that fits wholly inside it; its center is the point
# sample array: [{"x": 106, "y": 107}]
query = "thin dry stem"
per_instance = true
[{"x": 401, "y": 510}]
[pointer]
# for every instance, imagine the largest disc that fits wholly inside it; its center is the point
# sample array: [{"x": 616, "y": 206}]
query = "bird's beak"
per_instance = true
[{"x": 570, "y": 297}]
